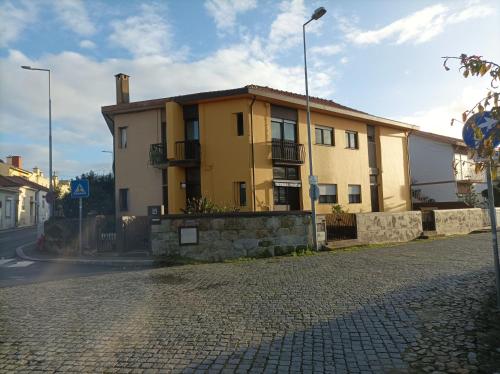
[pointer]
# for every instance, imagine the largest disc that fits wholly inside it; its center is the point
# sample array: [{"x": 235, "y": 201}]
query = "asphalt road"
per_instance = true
[
  {"x": 11, "y": 239},
  {"x": 15, "y": 271}
]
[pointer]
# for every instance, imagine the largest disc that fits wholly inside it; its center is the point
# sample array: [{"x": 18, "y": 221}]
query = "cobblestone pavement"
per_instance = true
[{"x": 407, "y": 308}]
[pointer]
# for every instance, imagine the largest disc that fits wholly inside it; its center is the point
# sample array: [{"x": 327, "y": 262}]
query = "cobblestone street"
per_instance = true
[{"x": 408, "y": 308}]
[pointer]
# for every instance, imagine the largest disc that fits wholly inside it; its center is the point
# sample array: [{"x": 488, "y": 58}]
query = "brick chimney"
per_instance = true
[
  {"x": 122, "y": 92},
  {"x": 15, "y": 161}
]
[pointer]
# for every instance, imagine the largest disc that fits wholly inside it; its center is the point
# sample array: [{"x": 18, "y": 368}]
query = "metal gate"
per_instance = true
[
  {"x": 428, "y": 220},
  {"x": 136, "y": 233},
  {"x": 341, "y": 226}
]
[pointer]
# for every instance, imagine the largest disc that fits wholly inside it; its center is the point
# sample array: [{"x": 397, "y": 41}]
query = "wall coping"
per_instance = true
[
  {"x": 236, "y": 214},
  {"x": 388, "y": 213}
]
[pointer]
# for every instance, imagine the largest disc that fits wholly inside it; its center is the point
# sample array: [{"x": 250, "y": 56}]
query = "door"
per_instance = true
[{"x": 294, "y": 198}]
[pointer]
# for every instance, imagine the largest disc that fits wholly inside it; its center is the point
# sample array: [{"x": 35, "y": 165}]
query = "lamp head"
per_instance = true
[
  {"x": 26, "y": 67},
  {"x": 318, "y": 13}
]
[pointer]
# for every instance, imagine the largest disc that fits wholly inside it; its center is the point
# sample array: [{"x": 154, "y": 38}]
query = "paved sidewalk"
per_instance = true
[
  {"x": 29, "y": 252},
  {"x": 417, "y": 307}
]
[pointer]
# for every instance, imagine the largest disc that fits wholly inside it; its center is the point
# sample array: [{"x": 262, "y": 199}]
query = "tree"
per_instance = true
[
  {"x": 100, "y": 201},
  {"x": 477, "y": 66}
]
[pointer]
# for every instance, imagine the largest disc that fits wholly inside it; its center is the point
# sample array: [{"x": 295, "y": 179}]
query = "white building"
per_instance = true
[{"x": 441, "y": 172}]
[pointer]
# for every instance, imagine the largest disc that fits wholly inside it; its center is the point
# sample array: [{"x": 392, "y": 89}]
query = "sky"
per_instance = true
[{"x": 379, "y": 56}]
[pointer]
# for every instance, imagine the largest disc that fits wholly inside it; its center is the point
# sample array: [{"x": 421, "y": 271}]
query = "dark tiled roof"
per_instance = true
[
  {"x": 16, "y": 181},
  {"x": 221, "y": 93},
  {"x": 313, "y": 99}
]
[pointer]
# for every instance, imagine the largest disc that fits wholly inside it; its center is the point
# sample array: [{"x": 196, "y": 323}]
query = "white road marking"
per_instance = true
[
  {"x": 6, "y": 261},
  {"x": 21, "y": 264}
]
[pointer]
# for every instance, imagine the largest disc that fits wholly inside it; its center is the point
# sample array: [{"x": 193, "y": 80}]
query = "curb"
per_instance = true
[{"x": 82, "y": 261}]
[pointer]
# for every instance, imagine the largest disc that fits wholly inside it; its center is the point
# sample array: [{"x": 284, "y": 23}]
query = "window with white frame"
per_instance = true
[
  {"x": 122, "y": 131},
  {"x": 351, "y": 140},
  {"x": 324, "y": 135},
  {"x": 327, "y": 193}
]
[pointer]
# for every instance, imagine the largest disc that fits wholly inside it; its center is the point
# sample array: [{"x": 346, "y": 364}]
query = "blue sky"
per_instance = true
[{"x": 382, "y": 57}]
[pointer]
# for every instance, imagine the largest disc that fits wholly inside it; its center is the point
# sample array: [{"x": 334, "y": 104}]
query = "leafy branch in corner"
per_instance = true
[{"x": 477, "y": 66}]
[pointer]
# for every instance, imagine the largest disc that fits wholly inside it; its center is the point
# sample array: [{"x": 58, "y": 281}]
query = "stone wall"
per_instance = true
[
  {"x": 233, "y": 235},
  {"x": 388, "y": 227},
  {"x": 462, "y": 221}
]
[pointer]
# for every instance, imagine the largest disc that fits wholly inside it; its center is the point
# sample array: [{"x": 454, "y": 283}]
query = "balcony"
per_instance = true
[
  {"x": 285, "y": 152},
  {"x": 158, "y": 155},
  {"x": 187, "y": 154}
]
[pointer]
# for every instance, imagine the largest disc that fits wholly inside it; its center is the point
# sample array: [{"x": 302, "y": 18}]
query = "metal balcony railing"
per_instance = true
[
  {"x": 188, "y": 150},
  {"x": 287, "y": 152},
  {"x": 158, "y": 154}
]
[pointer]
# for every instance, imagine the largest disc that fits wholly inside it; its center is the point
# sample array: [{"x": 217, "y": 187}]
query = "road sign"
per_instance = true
[
  {"x": 80, "y": 188},
  {"x": 488, "y": 128},
  {"x": 314, "y": 192}
]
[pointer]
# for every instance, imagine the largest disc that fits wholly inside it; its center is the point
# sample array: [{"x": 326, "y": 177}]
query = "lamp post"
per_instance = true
[
  {"x": 318, "y": 13},
  {"x": 51, "y": 185}
]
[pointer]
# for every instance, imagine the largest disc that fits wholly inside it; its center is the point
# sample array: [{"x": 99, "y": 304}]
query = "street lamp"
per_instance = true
[
  {"x": 51, "y": 185},
  {"x": 318, "y": 13}
]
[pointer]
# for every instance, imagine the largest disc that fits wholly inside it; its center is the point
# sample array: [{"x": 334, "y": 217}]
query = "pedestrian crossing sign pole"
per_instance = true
[{"x": 80, "y": 190}]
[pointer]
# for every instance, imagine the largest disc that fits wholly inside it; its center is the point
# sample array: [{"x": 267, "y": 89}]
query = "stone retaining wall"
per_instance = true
[
  {"x": 388, "y": 227},
  {"x": 229, "y": 236},
  {"x": 462, "y": 221}
]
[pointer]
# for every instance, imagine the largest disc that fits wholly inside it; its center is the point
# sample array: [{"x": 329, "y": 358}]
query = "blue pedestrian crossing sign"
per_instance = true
[{"x": 80, "y": 188}]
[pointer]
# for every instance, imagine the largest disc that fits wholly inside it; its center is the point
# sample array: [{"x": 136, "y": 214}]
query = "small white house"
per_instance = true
[{"x": 441, "y": 172}]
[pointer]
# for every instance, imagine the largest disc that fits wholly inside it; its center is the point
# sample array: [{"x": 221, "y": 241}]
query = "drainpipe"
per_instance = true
[
  {"x": 407, "y": 136},
  {"x": 253, "y": 155}
]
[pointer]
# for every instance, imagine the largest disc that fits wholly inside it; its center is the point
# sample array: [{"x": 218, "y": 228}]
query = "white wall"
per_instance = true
[
  {"x": 8, "y": 219},
  {"x": 432, "y": 161}
]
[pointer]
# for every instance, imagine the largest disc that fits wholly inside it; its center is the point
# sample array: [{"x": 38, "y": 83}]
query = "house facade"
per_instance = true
[
  {"x": 22, "y": 195},
  {"x": 442, "y": 172},
  {"x": 247, "y": 148}
]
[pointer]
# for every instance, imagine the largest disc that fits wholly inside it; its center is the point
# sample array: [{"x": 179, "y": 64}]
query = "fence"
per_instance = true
[{"x": 341, "y": 226}]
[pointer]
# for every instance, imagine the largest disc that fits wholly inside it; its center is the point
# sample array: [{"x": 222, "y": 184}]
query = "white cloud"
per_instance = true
[
  {"x": 88, "y": 44},
  {"x": 14, "y": 19},
  {"x": 224, "y": 12},
  {"x": 286, "y": 29},
  {"x": 437, "y": 119},
  {"x": 81, "y": 85},
  {"x": 146, "y": 34},
  {"x": 327, "y": 50},
  {"x": 74, "y": 16},
  {"x": 418, "y": 27}
]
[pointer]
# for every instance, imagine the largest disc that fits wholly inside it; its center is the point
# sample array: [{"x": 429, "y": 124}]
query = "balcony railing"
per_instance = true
[
  {"x": 187, "y": 152},
  {"x": 158, "y": 155},
  {"x": 287, "y": 152}
]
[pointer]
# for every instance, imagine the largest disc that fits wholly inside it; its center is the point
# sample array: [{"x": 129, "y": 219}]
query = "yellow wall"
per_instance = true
[
  {"x": 225, "y": 156},
  {"x": 337, "y": 165},
  {"x": 176, "y": 175},
  {"x": 132, "y": 169},
  {"x": 394, "y": 171}
]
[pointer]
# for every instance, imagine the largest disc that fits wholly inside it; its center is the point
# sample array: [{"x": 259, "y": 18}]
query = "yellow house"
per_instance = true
[{"x": 247, "y": 148}]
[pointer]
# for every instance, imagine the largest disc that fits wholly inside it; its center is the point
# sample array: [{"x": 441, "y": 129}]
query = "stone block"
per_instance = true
[
  {"x": 230, "y": 235},
  {"x": 208, "y": 236},
  {"x": 217, "y": 223}
]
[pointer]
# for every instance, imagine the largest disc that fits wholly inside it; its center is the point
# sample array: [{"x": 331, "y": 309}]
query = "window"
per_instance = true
[
  {"x": 8, "y": 208},
  {"x": 192, "y": 129},
  {"x": 241, "y": 193},
  {"x": 328, "y": 193},
  {"x": 351, "y": 139},
  {"x": 325, "y": 135},
  {"x": 285, "y": 172},
  {"x": 284, "y": 130},
  {"x": 239, "y": 124},
  {"x": 354, "y": 193},
  {"x": 122, "y": 131},
  {"x": 123, "y": 197}
]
